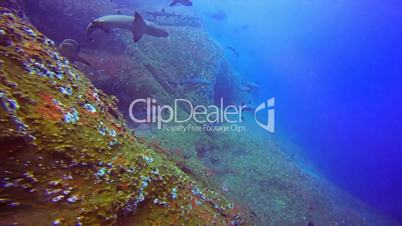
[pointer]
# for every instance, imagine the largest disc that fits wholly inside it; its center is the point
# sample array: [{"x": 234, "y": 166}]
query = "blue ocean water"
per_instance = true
[{"x": 335, "y": 69}]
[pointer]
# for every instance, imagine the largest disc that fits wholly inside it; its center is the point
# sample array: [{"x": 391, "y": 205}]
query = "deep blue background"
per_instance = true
[{"x": 335, "y": 68}]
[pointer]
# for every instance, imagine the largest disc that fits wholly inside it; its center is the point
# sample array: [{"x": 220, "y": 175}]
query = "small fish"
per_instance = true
[
  {"x": 70, "y": 49},
  {"x": 183, "y": 2},
  {"x": 311, "y": 224},
  {"x": 135, "y": 24}
]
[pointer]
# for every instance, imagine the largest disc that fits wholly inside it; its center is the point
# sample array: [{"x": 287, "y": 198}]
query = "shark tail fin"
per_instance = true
[
  {"x": 141, "y": 28},
  {"x": 156, "y": 32}
]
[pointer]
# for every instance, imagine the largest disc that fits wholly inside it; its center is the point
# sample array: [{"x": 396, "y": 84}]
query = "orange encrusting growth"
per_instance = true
[{"x": 48, "y": 109}]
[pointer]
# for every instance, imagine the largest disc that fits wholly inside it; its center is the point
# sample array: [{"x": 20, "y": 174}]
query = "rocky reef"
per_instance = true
[{"x": 67, "y": 157}]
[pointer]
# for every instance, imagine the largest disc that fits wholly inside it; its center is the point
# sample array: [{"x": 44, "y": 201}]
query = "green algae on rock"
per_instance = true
[{"x": 67, "y": 157}]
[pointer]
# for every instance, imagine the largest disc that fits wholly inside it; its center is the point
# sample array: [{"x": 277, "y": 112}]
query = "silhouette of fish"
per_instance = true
[
  {"x": 182, "y": 2},
  {"x": 71, "y": 49},
  {"x": 233, "y": 50},
  {"x": 135, "y": 24},
  {"x": 219, "y": 15},
  {"x": 252, "y": 85}
]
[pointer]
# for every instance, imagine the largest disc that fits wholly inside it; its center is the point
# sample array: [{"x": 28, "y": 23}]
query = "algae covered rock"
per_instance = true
[
  {"x": 66, "y": 157},
  {"x": 149, "y": 68}
]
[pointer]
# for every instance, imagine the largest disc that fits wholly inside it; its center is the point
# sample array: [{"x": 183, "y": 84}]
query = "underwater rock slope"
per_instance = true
[
  {"x": 66, "y": 156},
  {"x": 148, "y": 68}
]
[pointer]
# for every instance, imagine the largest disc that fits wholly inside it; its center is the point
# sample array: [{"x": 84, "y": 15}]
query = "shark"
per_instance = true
[
  {"x": 135, "y": 24},
  {"x": 233, "y": 50},
  {"x": 245, "y": 89},
  {"x": 252, "y": 85},
  {"x": 219, "y": 15},
  {"x": 183, "y": 2},
  {"x": 71, "y": 49},
  {"x": 248, "y": 87}
]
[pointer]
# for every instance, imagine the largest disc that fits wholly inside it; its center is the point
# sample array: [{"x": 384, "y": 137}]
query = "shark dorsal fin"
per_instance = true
[
  {"x": 139, "y": 27},
  {"x": 138, "y": 18}
]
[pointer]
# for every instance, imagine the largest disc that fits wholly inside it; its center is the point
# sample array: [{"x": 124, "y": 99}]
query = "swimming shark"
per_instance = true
[
  {"x": 233, "y": 50},
  {"x": 183, "y": 2},
  {"x": 70, "y": 49},
  {"x": 219, "y": 15},
  {"x": 252, "y": 85},
  {"x": 245, "y": 89},
  {"x": 248, "y": 87},
  {"x": 136, "y": 24}
]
